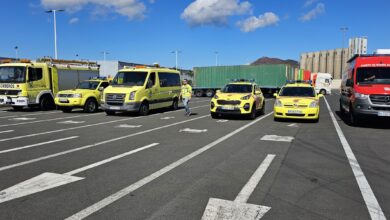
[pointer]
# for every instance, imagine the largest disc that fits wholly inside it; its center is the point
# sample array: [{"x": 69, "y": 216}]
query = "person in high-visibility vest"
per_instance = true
[{"x": 186, "y": 94}]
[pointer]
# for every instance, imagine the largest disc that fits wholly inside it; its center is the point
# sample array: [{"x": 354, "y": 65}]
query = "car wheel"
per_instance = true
[
  {"x": 262, "y": 111},
  {"x": 354, "y": 120},
  {"x": 209, "y": 93},
  {"x": 253, "y": 113},
  {"x": 46, "y": 103},
  {"x": 323, "y": 91},
  {"x": 342, "y": 110},
  {"x": 175, "y": 105},
  {"x": 91, "y": 106},
  {"x": 198, "y": 93},
  {"x": 214, "y": 115},
  {"x": 143, "y": 109}
]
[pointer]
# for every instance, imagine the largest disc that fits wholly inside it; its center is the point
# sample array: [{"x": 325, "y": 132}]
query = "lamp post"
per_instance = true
[
  {"x": 105, "y": 53},
  {"x": 216, "y": 58},
  {"x": 16, "y": 52},
  {"x": 176, "y": 52},
  {"x": 55, "y": 29},
  {"x": 343, "y": 30}
]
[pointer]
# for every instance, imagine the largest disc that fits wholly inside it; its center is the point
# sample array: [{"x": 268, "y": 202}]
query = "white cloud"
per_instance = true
[
  {"x": 132, "y": 9},
  {"x": 319, "y": 9},
  {"x": 253, "y": 23},
  {"x": 214, "y": 12},
  {"x": 74, "y": 21},
  {"x": 309, "y": 3}
]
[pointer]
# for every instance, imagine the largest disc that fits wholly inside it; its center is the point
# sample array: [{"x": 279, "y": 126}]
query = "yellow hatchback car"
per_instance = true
[
  {"x": 297, "y": 100},
  {"x": 238, "y": 98},
  {"x": 86, "y": 95}
]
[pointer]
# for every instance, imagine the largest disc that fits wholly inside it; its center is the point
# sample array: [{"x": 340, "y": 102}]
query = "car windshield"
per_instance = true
[
  {"x": 88, "y": 85},
  {"x": 236, "y": 88},
  {"x": 130, "y": 78},
  {"x": 373, "y": 75},
  {"x": 298, "y": 91},
  {"x": 12, "y": 74}
]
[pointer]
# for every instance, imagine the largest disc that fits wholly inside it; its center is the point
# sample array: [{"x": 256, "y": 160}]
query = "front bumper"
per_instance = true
[
  {"x": 242, "y": 109},
  {"x": 364, "y": 107},
  {"x": 125, "y": 107},
  {"x": 296, "y": 113},
  {"x": 69, "y": 102},
  {"x": 13, "y": 100}
]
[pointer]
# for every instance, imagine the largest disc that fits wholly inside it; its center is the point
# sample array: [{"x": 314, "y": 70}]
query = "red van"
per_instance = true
[{"x": 365, "y": 87}]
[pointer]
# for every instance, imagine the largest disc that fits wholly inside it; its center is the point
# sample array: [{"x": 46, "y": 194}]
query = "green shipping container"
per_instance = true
[{"x": 271, "y": 76}]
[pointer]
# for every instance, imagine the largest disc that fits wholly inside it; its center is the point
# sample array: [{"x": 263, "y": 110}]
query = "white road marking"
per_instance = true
[
  {"x": 32, "y": 114},
  {"x": 167, "y": 118},
  {"x": 71, "y": 122},
  {"x": 219, "y": 209},
  {"x": 22, "y": 119},
  {"x": 46, "y": 120},
  {"x": 128, "y": 126},
  {"x": 222, "y": 121},
  {"x": 96, "y": 144},
  {"x": 194, "y": 131},
  {"x": 277, "y": 138},
  {"x": 38, "y": 144},
  {"x": 127, "y": 190},
  {"x": 7, "y": 131},
  {"x": 78, "y": 127},
  {"x": 293, "y": 125},
  {"x": 47, "y": 181},
  {"x": 368, "y": 195}
]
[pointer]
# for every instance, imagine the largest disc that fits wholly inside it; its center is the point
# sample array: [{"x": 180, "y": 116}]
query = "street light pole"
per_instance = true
[
  {"x": 104, "y": 61},
  {"x": 16, "y": 52},
  {"x": 176, "y": 52},
  {"x": 343, "y": 30},
  {"x": 55, "y": 29},
  {"x": 216, "y": 58}
]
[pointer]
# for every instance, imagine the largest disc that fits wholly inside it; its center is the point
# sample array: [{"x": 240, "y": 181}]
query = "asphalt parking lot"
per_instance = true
[{"x": 168, "y": 166}]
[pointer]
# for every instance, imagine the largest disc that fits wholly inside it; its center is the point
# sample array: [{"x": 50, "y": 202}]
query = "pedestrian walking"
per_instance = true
[{"x": 186, "y": 94}]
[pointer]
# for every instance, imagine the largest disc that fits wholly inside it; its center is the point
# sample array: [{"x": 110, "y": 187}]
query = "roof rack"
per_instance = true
[{"x": 68, "y": 63}]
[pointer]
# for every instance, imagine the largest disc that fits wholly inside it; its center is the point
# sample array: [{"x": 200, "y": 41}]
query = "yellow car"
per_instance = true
[
  {"x": 297, "y": 100},
  {"x": 238, "y": 98},
  {"x": 86, "y": 95}
]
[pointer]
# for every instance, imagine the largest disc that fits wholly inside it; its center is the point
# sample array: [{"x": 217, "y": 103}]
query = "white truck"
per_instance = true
[{"x": 322, "y": 82}]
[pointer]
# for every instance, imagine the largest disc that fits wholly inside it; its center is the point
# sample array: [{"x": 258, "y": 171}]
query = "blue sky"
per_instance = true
[{"x": 146, "y": 31}]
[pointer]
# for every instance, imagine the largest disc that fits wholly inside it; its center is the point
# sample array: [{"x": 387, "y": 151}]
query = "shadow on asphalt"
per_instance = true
[{"x": 370, "y": 122}]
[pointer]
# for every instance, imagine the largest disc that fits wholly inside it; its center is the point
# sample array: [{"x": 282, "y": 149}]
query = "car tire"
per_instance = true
[
  {"x": 209, "y": 93},
  {"x": 199, "y": 93},
  {"x": 214, "y": 115},
  {"x": 110, "y": 113},
  {"x": 342, "y": 110},
  {"x": 323, "y": 91},
  {"x": 91, "y": 106},
  {"x": 46, "y": 103},
  {"x": 66, "y": 109},
  {"x": 17, "y": 108},
  {"x": 175, "y": 105},
  {"x": 277, "y": 119},
  {"x": 262, "y": 110},
  {"x": 143, "y": 109},
  {"x": 253, "y": 113},
  {"x": 354, "y": 120}
]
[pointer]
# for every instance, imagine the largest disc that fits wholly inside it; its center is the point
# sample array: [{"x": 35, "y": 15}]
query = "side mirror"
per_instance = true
[
  {"x": 275, "y": 94},
  {"x": 101, "y": 88},
  {"x": 349, "y": 83}
]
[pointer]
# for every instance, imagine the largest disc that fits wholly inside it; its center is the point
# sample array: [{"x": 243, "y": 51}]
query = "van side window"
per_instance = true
[
  {"x": 34, "y": 74},
  {"x": 169, "y": 79},
  {"x": 151, "y": 80}
]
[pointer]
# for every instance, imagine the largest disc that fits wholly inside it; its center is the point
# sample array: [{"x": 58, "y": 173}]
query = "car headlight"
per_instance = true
[
  {"x": 313, "y": 104},
  {"x": 246, "y": 97},
  {"x": 77, "y": 95},
  {"x": 132, "y": 95},
  {"x": 278, "y": 103},
  {"x": 361, "y": 96},
  {"x": 216, "y": 97}
]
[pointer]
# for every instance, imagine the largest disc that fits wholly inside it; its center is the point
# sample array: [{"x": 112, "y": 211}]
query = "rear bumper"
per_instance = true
[{"x": 126, "y": 107}]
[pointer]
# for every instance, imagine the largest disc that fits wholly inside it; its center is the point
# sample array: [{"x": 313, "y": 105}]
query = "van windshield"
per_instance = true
[
  {"x": 129, "y": 79},
  {"x": 373, "y": 75},
  {"x": 12, "y": 74}
]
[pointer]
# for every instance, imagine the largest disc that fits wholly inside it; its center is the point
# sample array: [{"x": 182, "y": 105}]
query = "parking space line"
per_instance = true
[
  {"x": 38, "y": 144},
  {"x": 7, "y": 131},
  {"x": 368, "y": 195},
  {"x": 43, "y": 113},
  {"x": 96, "y": 144},
  {"x": 125, "y": 191},
  {"x": 47, "y": 120},
  {"x": 83, "y": 126}
]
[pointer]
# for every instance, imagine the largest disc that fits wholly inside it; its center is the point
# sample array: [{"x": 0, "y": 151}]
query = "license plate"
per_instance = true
[
  {"x": 228, "y": 107},
  {"x": 63, "y": 100},
  {"x": 294, "y": 111},
  {"x": 115, "y": 107},
  {"x": 384, "y": 114}
]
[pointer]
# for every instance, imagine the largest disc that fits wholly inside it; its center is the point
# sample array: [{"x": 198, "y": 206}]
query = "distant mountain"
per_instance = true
[{"x": 269, "y": 60}]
